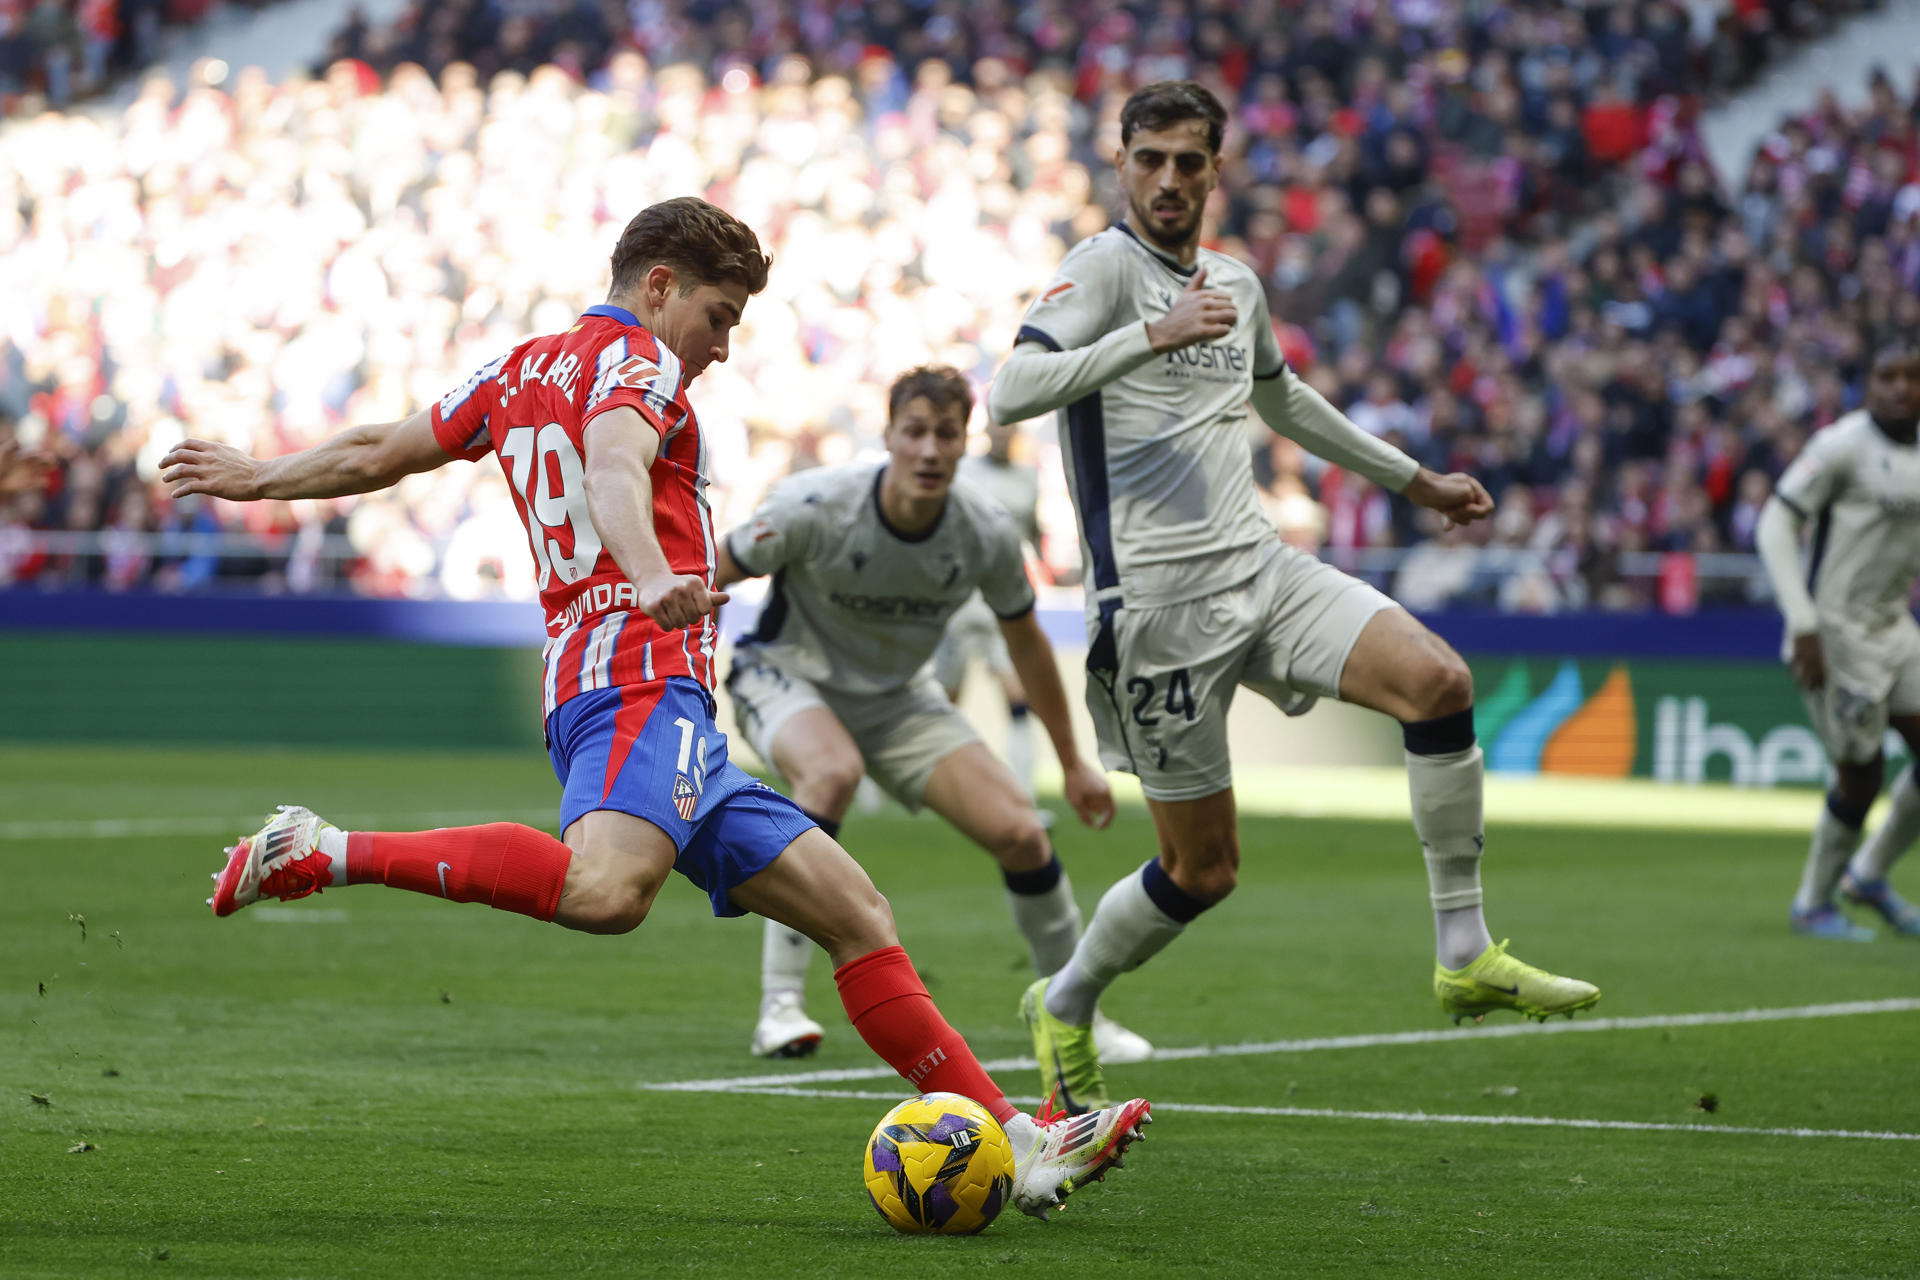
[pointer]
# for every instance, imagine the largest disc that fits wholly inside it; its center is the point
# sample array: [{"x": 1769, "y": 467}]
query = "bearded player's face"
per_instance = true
[
  {"x": 1168, "y": 175},
  {"x": 696, "y": 325}
]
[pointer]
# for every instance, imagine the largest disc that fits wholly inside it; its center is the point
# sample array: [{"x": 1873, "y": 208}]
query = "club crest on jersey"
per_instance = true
[
  {"x": 685, "y": 798},
  {"x": 635, "y": 373}
]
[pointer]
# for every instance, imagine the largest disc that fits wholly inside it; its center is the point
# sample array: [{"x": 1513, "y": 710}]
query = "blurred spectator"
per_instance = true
[{"x": 63, "y": 50}]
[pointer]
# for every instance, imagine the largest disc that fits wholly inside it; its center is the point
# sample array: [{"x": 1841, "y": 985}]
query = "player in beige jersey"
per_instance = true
[
  {"x": 1850, "y": 636},
  {"x": 869, "y": 562},
  {"x": 1151, "y": 349}
]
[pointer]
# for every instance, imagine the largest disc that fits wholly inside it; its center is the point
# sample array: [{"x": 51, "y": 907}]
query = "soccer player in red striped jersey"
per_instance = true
[{"x": 608, "y": 470}]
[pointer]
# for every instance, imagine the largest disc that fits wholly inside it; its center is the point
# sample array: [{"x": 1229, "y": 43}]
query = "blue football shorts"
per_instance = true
[{"x": 652, "y": 750}]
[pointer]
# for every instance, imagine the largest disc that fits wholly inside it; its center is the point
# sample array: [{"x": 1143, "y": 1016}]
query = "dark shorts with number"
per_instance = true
[
  {"x": 652, "y": 750},
  {"x": 1161, "y": 680}
]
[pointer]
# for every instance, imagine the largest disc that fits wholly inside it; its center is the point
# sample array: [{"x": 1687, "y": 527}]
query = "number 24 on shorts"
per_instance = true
[{"x": 1178, "y": 702}]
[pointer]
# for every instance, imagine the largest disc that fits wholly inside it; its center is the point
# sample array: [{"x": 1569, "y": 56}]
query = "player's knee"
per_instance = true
[
  {"x": 828, "y": 783},
  {"x": 615, "y": 905},
  {"x": 1209, "y": 873},
  {"x": 1442, "y": 682},
  {"x": 1021, "y": 844},
  {"x": 865, "y": 926},
  {"x": 1855, "y": 788},
  {"x": 1212, "y": 883}
]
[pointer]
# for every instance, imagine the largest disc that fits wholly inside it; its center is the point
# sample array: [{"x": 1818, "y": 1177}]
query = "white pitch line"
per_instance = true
[
  {"x": 1405, "y": 1117},
  {"x": 1452, "y": 1035},
  {"x": 146, "y": 828}
]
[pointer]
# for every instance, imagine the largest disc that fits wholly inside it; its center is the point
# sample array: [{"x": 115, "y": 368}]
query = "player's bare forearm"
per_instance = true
[
  {"x": 621, "y": 448},
  {"x": 727, "y": 570},
  {"x": 1033, "y": 661},
  {"x": 1083, "y": 784},
  {"x": 358, "y": 460}
]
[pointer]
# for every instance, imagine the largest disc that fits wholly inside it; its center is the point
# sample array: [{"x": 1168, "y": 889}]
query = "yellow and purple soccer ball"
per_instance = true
[{"x": 939, "y": 1163}]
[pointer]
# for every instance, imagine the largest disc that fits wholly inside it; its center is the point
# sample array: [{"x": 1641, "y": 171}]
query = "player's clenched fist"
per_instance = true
[
  {"x": 1809, "y": 661},
  {"x": 677, "y": 600},
  {"x": 1199, "y": 314},
  {"x": 201, "y": 466},
  {"x": 1457, "y": 496}
]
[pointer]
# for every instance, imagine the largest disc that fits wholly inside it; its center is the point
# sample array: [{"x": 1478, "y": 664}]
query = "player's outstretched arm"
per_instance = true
[
  {"x": 358, "y": 460},
  {"x": 1033, "y": 660},
  {"x": 1295, "y": 410},
  {"x": 1777, "y": 538},
  {"x": 621, "y": 448}
]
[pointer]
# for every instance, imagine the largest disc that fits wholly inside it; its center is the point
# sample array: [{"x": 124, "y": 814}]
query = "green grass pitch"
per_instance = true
[{"x": 370, "y": 1083}]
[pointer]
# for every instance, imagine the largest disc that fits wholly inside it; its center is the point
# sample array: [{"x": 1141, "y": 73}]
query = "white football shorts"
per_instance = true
[
  {"x": 1871, "y": 675},
  {"x": 1160, "y": 680},
  {"x": 902, "y": 735}
]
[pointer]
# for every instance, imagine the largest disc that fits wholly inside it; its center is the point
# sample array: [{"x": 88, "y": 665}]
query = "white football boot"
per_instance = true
[
  {"x": 784, "y": 1029},
  {"x": 1072, "y": 1151},
  {"x": 1116, "y": 1045},
  {"x": 281, "y": 860}
]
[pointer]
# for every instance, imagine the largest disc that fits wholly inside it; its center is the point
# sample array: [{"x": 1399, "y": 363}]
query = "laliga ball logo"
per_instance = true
[{"x": 939, "y": 1163}]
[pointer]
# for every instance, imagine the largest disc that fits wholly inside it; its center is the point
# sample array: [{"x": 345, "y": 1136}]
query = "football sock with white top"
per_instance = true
[
  {"x": 1134, "y": 922},
  {"x": 1045, "y": 913},
  {"x": 333, "y": 843},
  {"x": 1896, "y": 832},
  {"x": 1445, "y": 780},
  {"x": 784, "y": 956},
  {"x": 1835, "y": 837}
]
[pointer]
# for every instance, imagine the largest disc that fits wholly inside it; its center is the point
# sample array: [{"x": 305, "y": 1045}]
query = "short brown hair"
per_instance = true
[
  {"x": 941, "y": 384},
  {"x": 1167, "y": 102},
  {"x": 703, "y": 243}
]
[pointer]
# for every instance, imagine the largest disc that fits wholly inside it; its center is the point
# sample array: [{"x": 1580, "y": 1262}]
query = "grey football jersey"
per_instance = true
[
  {"x": 1158, "y": 462},
  {"x": 1862, "y": 493},
  {"x": 855, "y": 606}
]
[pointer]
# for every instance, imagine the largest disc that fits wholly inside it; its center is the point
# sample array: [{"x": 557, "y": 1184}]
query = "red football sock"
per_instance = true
[
  {"x": 890, "y": 1008},
  {"x": 502, "y": 864}
]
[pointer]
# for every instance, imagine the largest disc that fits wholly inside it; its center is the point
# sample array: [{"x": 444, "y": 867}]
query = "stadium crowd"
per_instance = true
[
  {"x": 1627, "y": 362},
  {"x": 60, "y": 51}
]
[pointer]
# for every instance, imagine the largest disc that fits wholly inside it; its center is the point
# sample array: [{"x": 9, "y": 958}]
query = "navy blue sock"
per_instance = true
[
  {"x": 1168, "y": 896},
  {"x": 1850, "y": 816},
  {"x": 1039, "y": 880},
  {"x": 1441, "y": 735}
]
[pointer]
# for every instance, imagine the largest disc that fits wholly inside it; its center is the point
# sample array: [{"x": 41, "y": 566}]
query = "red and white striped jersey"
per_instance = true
[{"x": 532, "y": 407}]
